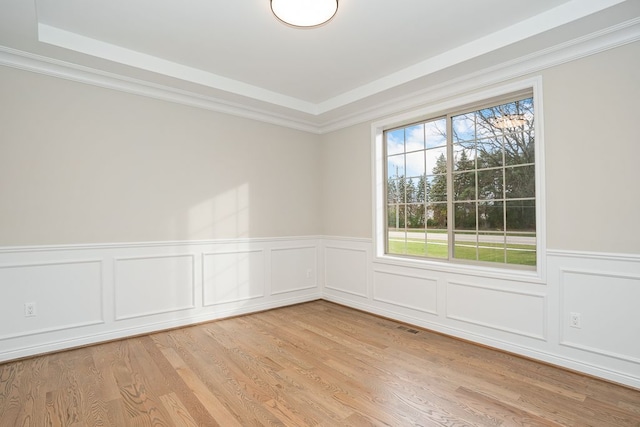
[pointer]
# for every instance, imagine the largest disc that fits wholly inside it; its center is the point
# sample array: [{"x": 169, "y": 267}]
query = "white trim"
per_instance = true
[
  {"x": 118, "y": 318},
  {"x": 349, "y": 239},
  {"x": 83, "y": 44},
  {"x": 563, "y": 341},
  {"x": 595, "y": 361},
  {"x": 378, "y": 197},
  {"x": 604, "y": 256},
  {"x": 593, "y": 350},
  {"x": 327, "y": 285},
  {"x": 411, "y": 276},
  {"x": 533, "y": 26},
  {"x": 609, "y": 38},
  {"x": 544, "y": 316},
  {"x": 55, "y": 68},
  {"x": 122, "y": 245},
  {"x": 591, "y": 44},
  {"x": 203, "y": 257}
]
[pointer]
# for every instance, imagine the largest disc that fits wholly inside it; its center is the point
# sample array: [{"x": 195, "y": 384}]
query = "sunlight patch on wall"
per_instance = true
[{"x": 224, "y": 216}]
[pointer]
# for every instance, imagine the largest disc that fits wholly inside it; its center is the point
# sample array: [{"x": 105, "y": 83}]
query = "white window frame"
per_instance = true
[{"x": 439, "y": 109}]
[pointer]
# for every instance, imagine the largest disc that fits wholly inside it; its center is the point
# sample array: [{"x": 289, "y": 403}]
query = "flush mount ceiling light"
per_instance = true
[
  {"x": 304, "y": 13},
  {"x": 508, "y": 121}
]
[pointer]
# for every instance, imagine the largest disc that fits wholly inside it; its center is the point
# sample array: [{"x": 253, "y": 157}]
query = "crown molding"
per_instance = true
[
  {"x": 79, "y": 43},
  {"x": 535, "y": 25},
  {"x": 612, "y": 37},
  {"x": 65, "y": 70},
  {"x": 591, "y": 44}
]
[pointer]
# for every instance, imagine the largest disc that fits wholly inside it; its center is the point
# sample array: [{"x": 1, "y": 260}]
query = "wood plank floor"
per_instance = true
[{"x": 313, "y": 364}]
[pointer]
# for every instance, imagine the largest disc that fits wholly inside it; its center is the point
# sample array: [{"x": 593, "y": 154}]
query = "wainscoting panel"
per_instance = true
[
  {"x": 607, "y": 305},
  {"x": 411, "y": 291},
  {"x": 153, "y": 285},
  {"x": 91, "y": 293},
  {"x": 603, "y": 290},
  {"x": 86, "y": 294},
  {"x": 507, "y": 310},
  {"x": 233, "y": 276},
  {"x": 346, "y": 269},
  {"x": 65, "y": 294},
  {"x": 293, "y": 269}
]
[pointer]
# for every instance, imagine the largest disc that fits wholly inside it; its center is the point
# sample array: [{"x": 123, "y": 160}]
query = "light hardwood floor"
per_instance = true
[{"x": 311, "y": 364}]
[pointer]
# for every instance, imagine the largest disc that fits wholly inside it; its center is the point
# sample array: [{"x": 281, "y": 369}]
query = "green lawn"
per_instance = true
[{"x": 516, "y": 254}]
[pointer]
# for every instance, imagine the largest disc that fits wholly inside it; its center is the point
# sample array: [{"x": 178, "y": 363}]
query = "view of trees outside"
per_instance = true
[{"x": 492, "y": 184}]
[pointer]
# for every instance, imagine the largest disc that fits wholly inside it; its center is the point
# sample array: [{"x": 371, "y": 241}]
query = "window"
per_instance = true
[{"x": 461, "y": 186}]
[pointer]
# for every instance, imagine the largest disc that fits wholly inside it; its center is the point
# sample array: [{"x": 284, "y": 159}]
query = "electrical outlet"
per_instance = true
[
  {"x": 574, "y": 320},
  {"x": 309, "y": 273},
  {"x": 29, "y": 309}
]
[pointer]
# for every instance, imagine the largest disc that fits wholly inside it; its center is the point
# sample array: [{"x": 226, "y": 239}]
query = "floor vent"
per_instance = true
[{"x": 404, "y": 328}]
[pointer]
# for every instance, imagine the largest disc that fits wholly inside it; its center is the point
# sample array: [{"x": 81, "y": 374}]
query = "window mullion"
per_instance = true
[{"x": 450, "y": 212}]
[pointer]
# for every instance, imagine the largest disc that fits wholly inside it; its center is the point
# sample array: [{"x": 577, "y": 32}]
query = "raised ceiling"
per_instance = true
[{"x": 236, "y": 54}]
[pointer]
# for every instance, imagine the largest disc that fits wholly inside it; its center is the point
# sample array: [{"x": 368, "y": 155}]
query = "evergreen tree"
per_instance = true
[{"x": 438, "y": 193}]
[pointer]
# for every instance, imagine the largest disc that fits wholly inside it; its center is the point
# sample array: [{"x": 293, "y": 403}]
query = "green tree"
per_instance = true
[
  {"x": 437, "y": 195},
  {"x": 464, "y": 183}
]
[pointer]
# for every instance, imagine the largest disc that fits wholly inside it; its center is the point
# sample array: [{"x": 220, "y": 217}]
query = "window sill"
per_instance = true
[{"x": 527, "y": 276}]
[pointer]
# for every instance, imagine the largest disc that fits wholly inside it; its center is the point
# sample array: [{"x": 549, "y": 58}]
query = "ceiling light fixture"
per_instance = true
[
  {"x": 508, "y": 121},
  {"x": 304, "y": 13}
]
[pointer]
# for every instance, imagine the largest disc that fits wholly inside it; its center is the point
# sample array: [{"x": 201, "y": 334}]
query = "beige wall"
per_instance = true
[
  {"x": 82, "y": 164},
  {"x": 346, "y": 191},
  {"x": 592, "y": 147},
  {"x": 593, "y": 152}
]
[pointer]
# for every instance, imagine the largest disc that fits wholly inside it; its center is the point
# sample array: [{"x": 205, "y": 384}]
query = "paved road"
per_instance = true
[{"x": 515, "y": 240}]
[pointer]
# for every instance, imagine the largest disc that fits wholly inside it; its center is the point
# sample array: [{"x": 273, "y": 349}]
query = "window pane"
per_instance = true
[
  {"x": 395, "y": 166},
  {"x": 491, "y": 216},
  {"x": 464, "y": 156},
  {"x": 414, "y": 138},
  {"x": 395, "y": 141},
  {"x": 521, "y": 215},
  {"x": 520, "y": 182},
  {"x": 492, "y": 240},
  {"x": 465, "y": 246},
  {"x": 415, "y": 216},
  {"x": 415, "y": 164},
  {"x": 396, "y": 190},
  {"x": 491, "y": 254},
  {"x": 437, "y": 246},
  {"x": 519, "y": 147},
  {"x": 437, "y": 217},
  {"x": 464, "y": 186},
  {"x": 437, "y": 188},
  {"x": 437, "y": 160},
  {"x": 463, "y": 127},
  {"x": 490, "y": 184},
  {"x": 393, "y": 192},
  {"x": 485, "y": 123},
  {"x": 436, "y": 133},
  {"x": 489, "y": 153},
  {"x": 400, "y": 220},
  {"x": 521, "y": 257},
  {"x": 395, "y": 216},
  {"x": 409, "y": 189},
  {"x": 397, "y": 242},
  {"x": 465, "y": 216},
  {"x": 392, "y": 216}
]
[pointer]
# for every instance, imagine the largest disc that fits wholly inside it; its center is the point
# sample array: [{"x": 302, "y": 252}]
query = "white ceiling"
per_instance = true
[{"x": 237, "y": 54}]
